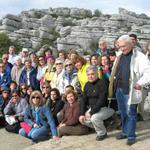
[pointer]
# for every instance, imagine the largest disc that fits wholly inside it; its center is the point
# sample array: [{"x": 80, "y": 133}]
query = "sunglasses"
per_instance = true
[
  {"x": 6, "y": 92},
  {"x": 45, "y": 87},
  {"x": 68, "y": 65},
  {"x": 35, "y": 97},
  {"x": 59, "y": 64}
]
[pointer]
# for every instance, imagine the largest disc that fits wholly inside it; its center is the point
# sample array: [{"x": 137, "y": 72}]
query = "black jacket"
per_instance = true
[{"x": 94, "y": 96}]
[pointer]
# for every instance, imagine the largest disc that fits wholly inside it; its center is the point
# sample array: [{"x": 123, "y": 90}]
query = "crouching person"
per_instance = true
[
  {"x": 14, "y": 112},
  {"x": 94, "y": 108},
  {"x": 38, "y": 121},
  {"x": 70, "y": 117}
]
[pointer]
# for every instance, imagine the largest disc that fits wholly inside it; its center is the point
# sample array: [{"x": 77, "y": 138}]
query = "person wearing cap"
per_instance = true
[
  {"x": 24, "y": 54},
  {"x": 57, "y": 78},
  {"x": 69, "y": 75},
  {"x": 17, "y": 69},
  {"x": 4, "y": 99},
  {"x": 131, "y": 72}
]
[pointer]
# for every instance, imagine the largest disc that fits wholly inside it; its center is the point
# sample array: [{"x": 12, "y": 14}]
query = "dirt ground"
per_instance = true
[{"x": 9, "y": 141}]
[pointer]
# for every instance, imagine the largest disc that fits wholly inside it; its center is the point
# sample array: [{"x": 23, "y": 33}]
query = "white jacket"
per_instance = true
[{"x": 140, "y": 74}]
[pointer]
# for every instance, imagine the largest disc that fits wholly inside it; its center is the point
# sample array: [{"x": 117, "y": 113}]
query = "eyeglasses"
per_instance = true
[
  {"x": 23, "y": 88},
  {"x": 35, "y": 97},
  {"x": 68, "y": 65},
  {"x": 45, "y": 87},
  {"x": 14, "y": 95}
]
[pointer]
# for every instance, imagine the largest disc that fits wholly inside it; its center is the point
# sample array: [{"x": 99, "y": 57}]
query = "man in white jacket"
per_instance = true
[{"x": 131, "y": 75}]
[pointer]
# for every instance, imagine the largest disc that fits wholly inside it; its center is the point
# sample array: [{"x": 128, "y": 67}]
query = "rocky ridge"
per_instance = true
[{"x": 75, "y": 28}]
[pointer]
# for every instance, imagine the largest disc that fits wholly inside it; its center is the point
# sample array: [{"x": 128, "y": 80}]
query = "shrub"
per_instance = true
[
  {"x": 97, "y": 13},
  {"x": 5, "y": 42}
]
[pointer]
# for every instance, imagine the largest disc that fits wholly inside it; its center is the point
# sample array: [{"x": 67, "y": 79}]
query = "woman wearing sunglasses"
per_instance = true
[
  {"x": 38, "y": 116},
  {"x": 14, "y": 111}
]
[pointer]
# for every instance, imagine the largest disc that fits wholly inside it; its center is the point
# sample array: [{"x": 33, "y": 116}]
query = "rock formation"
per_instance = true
[{"x": 75, "y": 28}]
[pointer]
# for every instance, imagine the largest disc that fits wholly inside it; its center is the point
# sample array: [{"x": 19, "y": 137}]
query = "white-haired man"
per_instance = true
[{"x": 131, "y": 75}]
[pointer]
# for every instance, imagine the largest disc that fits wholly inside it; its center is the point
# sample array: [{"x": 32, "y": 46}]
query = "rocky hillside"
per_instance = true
[{"x": 72, "y": 27}]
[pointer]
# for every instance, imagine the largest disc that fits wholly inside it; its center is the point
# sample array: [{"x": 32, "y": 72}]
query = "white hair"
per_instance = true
[{"x": 125, "y": 38}]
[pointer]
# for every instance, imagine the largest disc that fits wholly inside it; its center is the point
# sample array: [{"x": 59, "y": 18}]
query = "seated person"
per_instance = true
[
  {"x": 14, "y": 112},
  {"x": 55, "y": 103},
  {"x": 69, "y": 124},
  {"x": 4, "y": 99},
  {"x": 94, "y": 108},
  {"x": 39, "y": 117}
]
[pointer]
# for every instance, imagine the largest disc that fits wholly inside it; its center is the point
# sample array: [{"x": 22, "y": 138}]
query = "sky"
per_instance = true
[{"x": 105, "y": 6}]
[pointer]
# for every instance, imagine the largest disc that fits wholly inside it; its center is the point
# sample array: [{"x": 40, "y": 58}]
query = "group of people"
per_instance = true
[{"x": 43, "y": 96}]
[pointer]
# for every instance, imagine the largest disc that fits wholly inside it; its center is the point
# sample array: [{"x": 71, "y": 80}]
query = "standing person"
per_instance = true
[
  {"x": 69, "y": 75},
  {"x": 94, "y": 108},
  {"x": 81, "y": 65},
  {"x": 132, "y": 73},
  {"x": 28, "y": 75},
  {"x": 16, "y": 69},
  {"x": 40, "y": 118},
  {"x": 5, "y": 78},
  {"x": 136, "y": 45},
  {"x": 8, "y": 66},
  {"x": 24, "y": 54},
  {"x": 12, "y": 54},
  {"x": 146, "y": 89},
  {"x": 58, "y": 75},
  {"x": 102, "y": 48}
]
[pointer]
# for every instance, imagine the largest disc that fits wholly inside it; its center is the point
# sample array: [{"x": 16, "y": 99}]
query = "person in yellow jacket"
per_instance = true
[{"x": 81, "y": 65}]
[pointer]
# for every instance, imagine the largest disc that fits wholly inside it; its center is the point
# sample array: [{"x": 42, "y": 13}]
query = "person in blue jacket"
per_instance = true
[
  {"x": 28, "y": 75},
  {"x": 5, "y": 78},
  {"x": 40, "y": 118}
]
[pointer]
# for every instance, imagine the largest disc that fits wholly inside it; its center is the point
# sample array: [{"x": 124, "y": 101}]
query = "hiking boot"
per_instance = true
[
  {"x": 101, "y": 137},
  {"x": 130, "y": 142},
  {"x": 121, "y": 136}
]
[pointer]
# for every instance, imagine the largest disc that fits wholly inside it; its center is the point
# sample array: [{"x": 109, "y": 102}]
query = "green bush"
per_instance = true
[
  {"x": 97, "y": 13},
  {"x": 5, "y": 42}
]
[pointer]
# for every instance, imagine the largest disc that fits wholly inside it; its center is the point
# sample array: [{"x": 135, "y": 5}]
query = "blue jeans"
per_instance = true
[
  {"x": 36, "y": 134},
  {"x": 128, "y": 114}
]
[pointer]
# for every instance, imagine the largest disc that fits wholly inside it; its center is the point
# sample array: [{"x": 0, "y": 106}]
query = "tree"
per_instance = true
[
  {"x": 5, "y": 42},
  {"x": 97, "y": 13}
]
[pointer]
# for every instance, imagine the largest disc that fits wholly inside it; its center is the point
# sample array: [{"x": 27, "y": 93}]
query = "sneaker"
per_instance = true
[
  {"x": 121, "y": 136},
  {"x": 101, "y": 137},
  {"x": 130, "y": 142}
]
